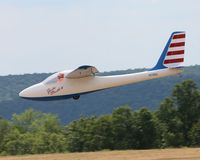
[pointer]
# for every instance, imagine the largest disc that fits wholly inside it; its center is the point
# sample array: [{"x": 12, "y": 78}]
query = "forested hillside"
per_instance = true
[
  {"x": 176, "y": 123},
  {"x": 149, "y": 94}
]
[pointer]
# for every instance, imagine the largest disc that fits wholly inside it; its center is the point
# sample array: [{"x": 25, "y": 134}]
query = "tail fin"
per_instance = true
[{"x": 173, "y": 53}]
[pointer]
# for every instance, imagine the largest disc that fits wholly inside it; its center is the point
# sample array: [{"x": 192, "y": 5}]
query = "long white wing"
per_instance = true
[{"x": 82, "y": 71}]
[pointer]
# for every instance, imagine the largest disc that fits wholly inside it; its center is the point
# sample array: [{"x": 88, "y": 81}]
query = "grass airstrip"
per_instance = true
[{"x": 155, "y": 154}]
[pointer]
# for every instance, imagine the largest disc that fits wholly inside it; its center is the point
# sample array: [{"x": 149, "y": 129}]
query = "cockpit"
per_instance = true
[{"x": 56, "y": 77}]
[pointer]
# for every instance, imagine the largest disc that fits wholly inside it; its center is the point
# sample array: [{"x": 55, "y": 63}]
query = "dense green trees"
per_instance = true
[
  {"x": 4, "y": 128},
  {"x": 176, "y": 123},
  {"x": 187, "y": 101},
  {"x": 31, "y": 132},
  {"x": 179, "y": 114}
]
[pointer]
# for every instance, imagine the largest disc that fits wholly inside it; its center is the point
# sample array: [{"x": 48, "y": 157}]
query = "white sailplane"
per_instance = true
[{"x": 72, "y": 84}]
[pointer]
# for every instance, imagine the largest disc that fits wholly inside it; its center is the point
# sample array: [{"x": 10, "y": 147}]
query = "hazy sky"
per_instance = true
[{"x": 52, "y": 35}]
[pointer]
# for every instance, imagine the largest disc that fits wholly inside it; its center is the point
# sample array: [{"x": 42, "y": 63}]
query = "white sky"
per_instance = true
[{"x": 52, "y": 35}]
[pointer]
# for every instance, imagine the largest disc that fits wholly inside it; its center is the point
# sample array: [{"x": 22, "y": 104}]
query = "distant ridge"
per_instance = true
[{"x": 149, "y": 93}]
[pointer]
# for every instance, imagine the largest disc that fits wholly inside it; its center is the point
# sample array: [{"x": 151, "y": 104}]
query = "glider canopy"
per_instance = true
[{"x": 82, "y": 71}]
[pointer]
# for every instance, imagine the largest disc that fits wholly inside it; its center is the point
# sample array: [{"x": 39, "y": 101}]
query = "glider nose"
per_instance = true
[{"x": 37, "y": 90}]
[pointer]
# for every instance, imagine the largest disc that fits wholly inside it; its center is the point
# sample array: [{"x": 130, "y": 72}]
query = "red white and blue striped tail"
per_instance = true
[{"x": 173, "y": 53}]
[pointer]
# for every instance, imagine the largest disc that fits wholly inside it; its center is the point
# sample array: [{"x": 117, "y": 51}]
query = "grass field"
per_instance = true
[{"x": 156, "y": 154}]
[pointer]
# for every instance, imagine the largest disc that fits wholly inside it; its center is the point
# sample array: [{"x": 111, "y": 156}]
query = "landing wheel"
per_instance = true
[{"x": 76, "y": 97}]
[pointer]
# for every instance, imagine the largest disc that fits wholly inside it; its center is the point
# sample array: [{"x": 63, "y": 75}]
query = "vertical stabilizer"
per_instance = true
[{"x": 173, "y": 53}]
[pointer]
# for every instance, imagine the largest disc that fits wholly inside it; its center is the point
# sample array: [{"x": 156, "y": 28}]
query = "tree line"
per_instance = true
[{"x": 176, "y": 123}]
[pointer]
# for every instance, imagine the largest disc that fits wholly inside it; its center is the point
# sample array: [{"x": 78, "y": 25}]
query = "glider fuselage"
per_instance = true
[{"x": 67, "y": 88}]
